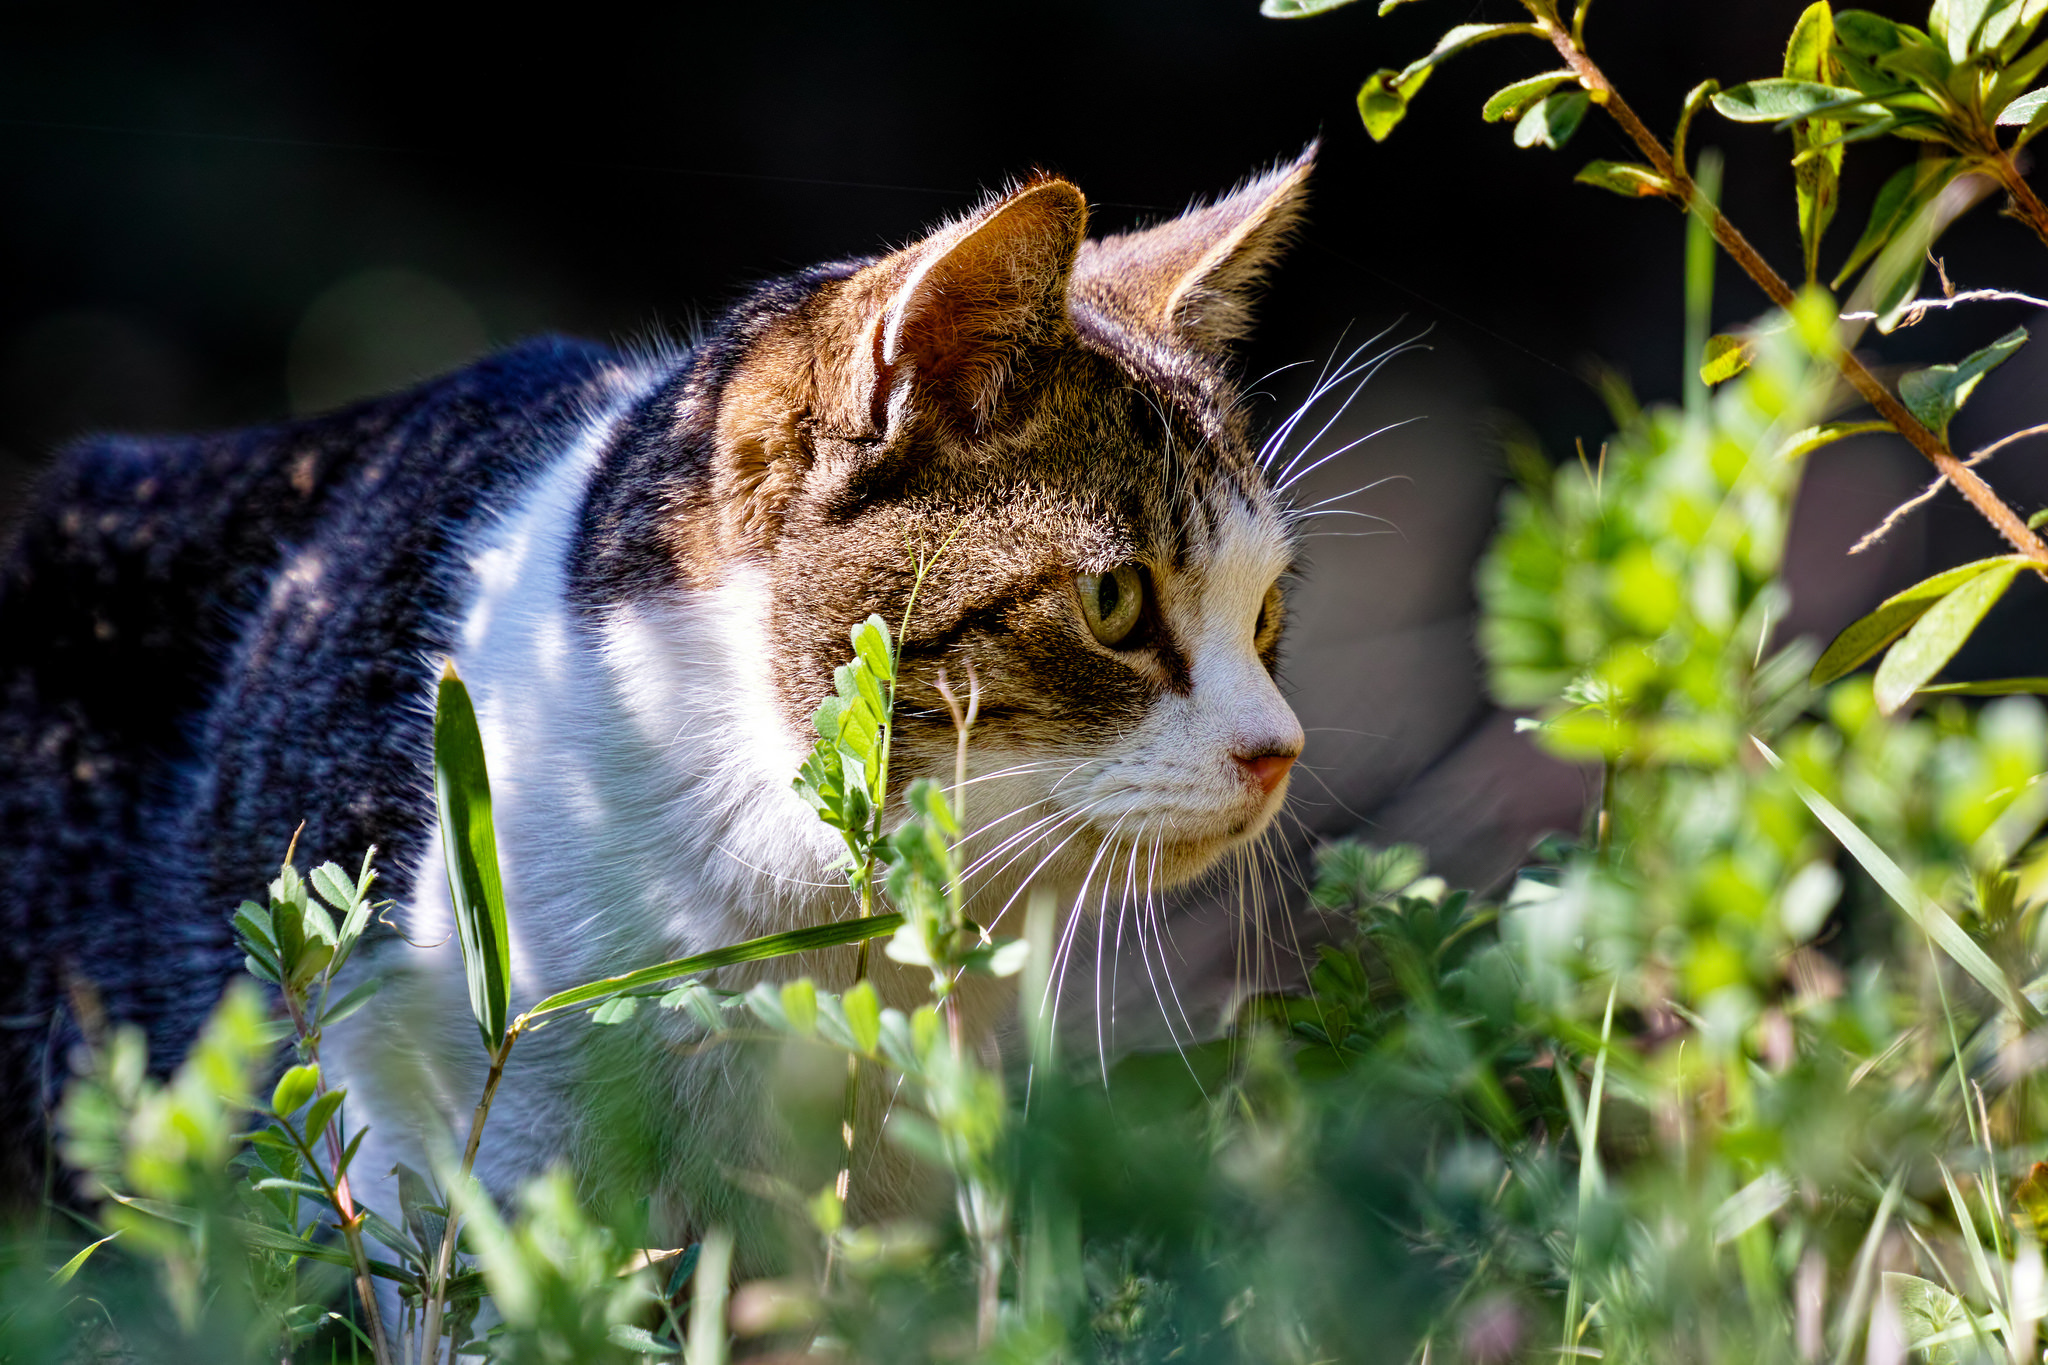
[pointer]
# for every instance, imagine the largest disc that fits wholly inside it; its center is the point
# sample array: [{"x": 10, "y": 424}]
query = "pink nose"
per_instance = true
[{"x": 1268, "y": 770}]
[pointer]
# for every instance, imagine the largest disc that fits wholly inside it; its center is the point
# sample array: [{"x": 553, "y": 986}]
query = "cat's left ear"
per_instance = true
[{"x": 1194, "y": 277}]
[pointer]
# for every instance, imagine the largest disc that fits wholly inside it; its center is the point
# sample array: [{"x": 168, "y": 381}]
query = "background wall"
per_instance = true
[{"x": 222, "y": 215}]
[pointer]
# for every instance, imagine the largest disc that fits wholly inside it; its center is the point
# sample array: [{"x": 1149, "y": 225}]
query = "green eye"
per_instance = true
[{"x": 1112, "y": 602}]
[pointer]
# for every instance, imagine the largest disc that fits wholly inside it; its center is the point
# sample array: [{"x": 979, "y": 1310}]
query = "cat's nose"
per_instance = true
[{"x": 1268, "y": 770}]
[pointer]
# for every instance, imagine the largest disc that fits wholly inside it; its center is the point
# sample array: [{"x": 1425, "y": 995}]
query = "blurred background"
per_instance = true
[{"x": 221, "y": 216}]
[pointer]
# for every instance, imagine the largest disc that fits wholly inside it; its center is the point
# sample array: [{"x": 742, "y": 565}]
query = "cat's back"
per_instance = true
[{"x": 198, "y": 633}]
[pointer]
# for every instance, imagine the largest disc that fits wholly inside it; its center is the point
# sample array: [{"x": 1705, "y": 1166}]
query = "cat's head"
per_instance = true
[{"x": 1051, "y": 420}]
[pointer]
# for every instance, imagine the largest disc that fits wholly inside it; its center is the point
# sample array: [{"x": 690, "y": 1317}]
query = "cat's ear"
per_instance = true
[
  {"x": 1193, "y": 278},
  {"x": 968, "y": 303}
]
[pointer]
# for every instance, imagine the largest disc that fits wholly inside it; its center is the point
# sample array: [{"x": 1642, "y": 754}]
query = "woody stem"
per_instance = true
[
  {"x": 1994, "y": 510},
  {"x": 2026, "y": 205}
]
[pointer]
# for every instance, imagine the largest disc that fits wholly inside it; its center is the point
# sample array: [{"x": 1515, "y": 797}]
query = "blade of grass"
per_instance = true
[
  {"x": 1857, "y": 1306},
  {"x": 1938, "y": 924},
  {"x": 753, "y": 950}
]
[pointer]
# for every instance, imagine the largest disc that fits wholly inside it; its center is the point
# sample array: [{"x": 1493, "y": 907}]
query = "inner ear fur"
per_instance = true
[
  {"x": 1194, "y": 277},
  {"x": 966, "y": 307}
]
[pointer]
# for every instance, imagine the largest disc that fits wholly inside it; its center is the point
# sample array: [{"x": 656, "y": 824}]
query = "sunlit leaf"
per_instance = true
[
  {"x": 1938, "y": 634},
  {"x": 1727, "y": 356},
  {"x": 469, "y": 845},
  {"x": 1509, "y": 101},
  {"x": 1863, "y": 638},
  {"x": 1551, "y": 121},
  {"x": 1626, "y": 178},
  {"x": 1816, "y": 176},
  {"x": 335, "y": 886},
  {"x": 1993, "y": 687},
  {"x": 1774, "y": 99},
  {"x": 2022, "y": 110},
  {"x": 1936, "y": 922},
  {"x": 1297, "y": 9},
  {"x": 294, "y": 1088},
  {"x": 1809, "y": 439},
  {"x": 616, "y": 1010},
  {"x": 1383, "y": 100},
  {"x": 1935, "y": 394},
  {"x": 1938, "y": 1326},
  {"x": 864, "y": 1015},
  {"x": 64, "y": 1273}
]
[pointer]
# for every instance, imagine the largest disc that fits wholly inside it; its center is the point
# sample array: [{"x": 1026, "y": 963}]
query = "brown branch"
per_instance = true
[
  {"x": 2026, "y": 205},
  {"x": 1898, "y": 513},
  {"x": 2007, "y": 522}
]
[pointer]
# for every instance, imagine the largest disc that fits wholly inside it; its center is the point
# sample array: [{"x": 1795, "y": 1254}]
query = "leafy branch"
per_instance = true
[{"x": 1848, "y": 78}]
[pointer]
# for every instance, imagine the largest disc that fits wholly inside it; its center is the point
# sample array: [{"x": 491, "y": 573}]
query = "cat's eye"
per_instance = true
[
  {"x": 1112, "y": 603},
  {"x": 1269, "y": 613}
]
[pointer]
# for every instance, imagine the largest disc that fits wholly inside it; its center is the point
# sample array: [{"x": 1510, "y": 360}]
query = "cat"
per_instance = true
[{"x": 645, "y": 565}]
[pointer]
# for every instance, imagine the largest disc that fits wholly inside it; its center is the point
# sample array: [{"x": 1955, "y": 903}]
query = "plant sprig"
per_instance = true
[{"x": 1848, "y": 77}]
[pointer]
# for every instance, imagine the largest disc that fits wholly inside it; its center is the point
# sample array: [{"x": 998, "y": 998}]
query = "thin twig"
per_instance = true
[
  {"x": 1919, "y": 308},
  {"x": 1898, "y": 513}
]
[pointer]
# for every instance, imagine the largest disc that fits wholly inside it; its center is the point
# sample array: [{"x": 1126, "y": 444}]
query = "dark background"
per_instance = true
[{"x": 217, "y": 217}]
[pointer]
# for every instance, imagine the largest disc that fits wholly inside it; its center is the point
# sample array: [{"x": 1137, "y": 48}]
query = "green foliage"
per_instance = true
[
  {"x": 1749, "y": 1070},
  {"x": 462, "y": 798}
]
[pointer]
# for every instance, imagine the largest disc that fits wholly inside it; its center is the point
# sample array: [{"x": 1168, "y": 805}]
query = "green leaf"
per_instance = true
[
  {"x": 2008, "y": 30},
  {"x": 350, "y": 1003},
  {"x": 1462, "y": 36},
  {"x": 639, "y": 1340},
  {"x": 322, "y": 1110},
  {"x": 800, "y": 1006},
  {"x": 1298, "y": 9},
  {"x": 1958, "y": 23},
  {"x": 1510, "y": 100},
  {"x": 335, "y": 886},
  {"x": 1937, "y": 1324},
  {"x": 2022, "y": 110},
  {"x": 864, "y": 1015},
  {"x": 1866, "y": 636},
  {"x": 1774, "y": 100},
  {"x": 1892, "y": 879},
  {"x": 1806, "y": 51},
  {"x": 294, "y": 1088},
  {"x": 1871, "y": 35},
  {"x": 469, "y": 845},
  {"x": 1816, "y": 150},
  {"x": 1809, "y": 439},
  {"x": 1551, "y": 121},
  {"x": 1383, "y": 100},
  {"x": 1626, "y": 178},
  {"x": 616, "y": 1010},
  {"x": 1935, "y": 394},
  {"x": 753, "y": 950},
  {"x": 1995, "y": 687},
  {"x": 871, "y": 645},
  {"x": 253, "y": 922},
  {"x": 64, "y": 1273},
  {"x": 1938, "y": 634},
  {"x": 1727, "y": 356}
]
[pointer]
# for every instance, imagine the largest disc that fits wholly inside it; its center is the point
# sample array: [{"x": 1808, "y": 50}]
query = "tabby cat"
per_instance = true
[{"x": 645, "y": 566}]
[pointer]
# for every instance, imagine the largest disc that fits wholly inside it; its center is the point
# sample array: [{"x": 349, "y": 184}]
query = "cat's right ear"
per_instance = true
[{"x": 962, "y": 309}]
